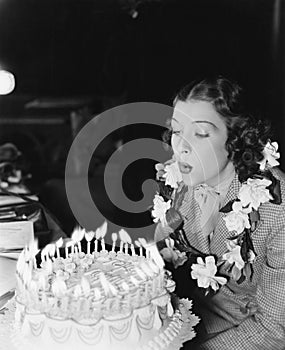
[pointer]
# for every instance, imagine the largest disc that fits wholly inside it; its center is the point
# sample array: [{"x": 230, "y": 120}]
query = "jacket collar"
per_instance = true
[{"x": 221, "y": 233}]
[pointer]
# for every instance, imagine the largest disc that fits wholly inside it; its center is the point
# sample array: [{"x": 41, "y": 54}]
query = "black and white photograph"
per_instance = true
[{"x": 142, "y": 176}]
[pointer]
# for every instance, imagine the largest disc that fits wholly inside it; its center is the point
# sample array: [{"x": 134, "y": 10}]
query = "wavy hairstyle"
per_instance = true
[{"x": 247, "y": 136}]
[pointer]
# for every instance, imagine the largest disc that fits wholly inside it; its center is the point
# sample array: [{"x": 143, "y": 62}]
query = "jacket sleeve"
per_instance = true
[{"x": 265, "y": 330}]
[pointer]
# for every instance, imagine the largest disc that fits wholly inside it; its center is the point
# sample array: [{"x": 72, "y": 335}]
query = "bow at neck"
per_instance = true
[{"x": 210, "y": 200}]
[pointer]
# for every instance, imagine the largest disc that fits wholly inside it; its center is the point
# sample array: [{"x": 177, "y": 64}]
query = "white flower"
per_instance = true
[
  {"x": 233, "y": 255},
  {"x": 270, "y": 155},
  {"x": 172, "y": 175},
  {"x": 254, "y": 192},
  {"x": 237, "y": 220},
  {"x": 205, "y": 273},
  {"x": 160, "y": 207}
]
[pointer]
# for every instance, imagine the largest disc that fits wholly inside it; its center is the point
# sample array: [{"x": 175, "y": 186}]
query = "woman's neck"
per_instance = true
[{"x": 225, "y": 176}]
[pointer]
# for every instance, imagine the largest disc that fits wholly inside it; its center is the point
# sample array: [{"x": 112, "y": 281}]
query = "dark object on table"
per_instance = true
[{"x": 46, "y": 227}]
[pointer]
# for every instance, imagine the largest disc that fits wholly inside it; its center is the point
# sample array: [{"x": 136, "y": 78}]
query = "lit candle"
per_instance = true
[
  {"x": 33, "y": 251},
  {"x": 138, "y": 244},
  {"x": 66, "y": 251},
  {"x": 89, "y": 236},
  {"x": 127, "y": 240},
  {"x": 67, "y": 245},
  {"x": 155, "y": 255},
  {"x": 35, "y": 263},
  {"x": 122, "y": 235},
  {"x": 76, "y": 237},
  {"x": 133, "y": 250},
  {"x": 114, "y": 239},
  {"x": 58, "y": 244},
  {"x": 51, "y": 250},
  {"x": 143, "y": 244},
  {"x": 126, "y": 248},
  {"x": 43, "y": 254},
  {"x": 103, "y": 231},
  {"x": 97, "y": 237},
  {"x": 103, "y": 244},
  {"x": 48, "y": 266}
]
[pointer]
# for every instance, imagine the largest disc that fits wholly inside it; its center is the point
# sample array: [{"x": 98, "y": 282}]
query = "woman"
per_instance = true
[{"x": 221, "y": 218}]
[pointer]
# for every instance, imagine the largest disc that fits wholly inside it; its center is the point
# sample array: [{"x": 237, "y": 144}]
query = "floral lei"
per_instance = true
[{"x": 241, "y": 218}]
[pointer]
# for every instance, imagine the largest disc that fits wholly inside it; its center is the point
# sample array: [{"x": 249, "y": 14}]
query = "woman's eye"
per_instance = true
[
  {"x": 202, "y": 135},
  {"x": 175, "y": 132}
]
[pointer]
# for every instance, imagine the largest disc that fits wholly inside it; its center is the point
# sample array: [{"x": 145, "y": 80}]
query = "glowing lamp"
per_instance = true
[{"x": 7, "y": 82}]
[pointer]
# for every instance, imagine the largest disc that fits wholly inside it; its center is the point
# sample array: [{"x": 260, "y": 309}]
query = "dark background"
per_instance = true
[
  {"x": 85, "y": 56},
  {"x": 95, "y": 47}
]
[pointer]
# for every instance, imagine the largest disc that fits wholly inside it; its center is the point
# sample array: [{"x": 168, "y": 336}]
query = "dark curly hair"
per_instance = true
[{"x": 247, "y": 136}]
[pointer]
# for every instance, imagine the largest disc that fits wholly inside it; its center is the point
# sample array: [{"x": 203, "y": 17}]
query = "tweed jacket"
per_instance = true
[{"x": 250, "y": 315}]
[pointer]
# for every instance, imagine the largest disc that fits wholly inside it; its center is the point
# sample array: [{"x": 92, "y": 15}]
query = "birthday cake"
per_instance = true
[{"x": 113, "y": 299}]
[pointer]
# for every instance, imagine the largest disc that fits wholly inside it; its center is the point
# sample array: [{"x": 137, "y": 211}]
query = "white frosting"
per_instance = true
[{"x": 108, "y": 299}]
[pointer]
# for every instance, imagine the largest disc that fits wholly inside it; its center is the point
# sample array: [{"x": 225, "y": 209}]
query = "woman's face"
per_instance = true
[{"x": 198, "y": 141}]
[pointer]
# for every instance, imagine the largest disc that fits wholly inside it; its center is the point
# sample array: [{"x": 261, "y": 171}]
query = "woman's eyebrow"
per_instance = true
[
  {"x": 205, "y": 121},
  {"x": 175, "y": 120}
]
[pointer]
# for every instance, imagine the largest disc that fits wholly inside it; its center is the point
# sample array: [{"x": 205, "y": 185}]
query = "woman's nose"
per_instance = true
[{"x": 184, "y": 147}]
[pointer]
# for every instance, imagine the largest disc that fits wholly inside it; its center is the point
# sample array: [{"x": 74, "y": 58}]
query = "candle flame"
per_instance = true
[
  {"x": 143, "y": 242},
  {"x": 89, "y": 235},
  {"x": 69, "y": 243},
  {"x": 101, "y": 231},
  {"x": 124, "y": 236},
  {"x": 78, "y": 234},
  {"x": 137, "y": 243}
]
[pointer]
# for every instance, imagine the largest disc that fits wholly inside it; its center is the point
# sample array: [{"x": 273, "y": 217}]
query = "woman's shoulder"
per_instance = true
[{"x": 278, "y": 173}]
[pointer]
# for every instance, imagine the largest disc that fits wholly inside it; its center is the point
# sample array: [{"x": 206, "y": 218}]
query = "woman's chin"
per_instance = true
[{"x": 189, "y": 180}]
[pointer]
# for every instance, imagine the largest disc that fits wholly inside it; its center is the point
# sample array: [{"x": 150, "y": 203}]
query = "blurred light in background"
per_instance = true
[{"x": 7, "y": 82}]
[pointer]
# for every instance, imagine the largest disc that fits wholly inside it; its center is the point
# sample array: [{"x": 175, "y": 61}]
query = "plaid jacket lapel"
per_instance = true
[
  {"x": 221, "y": 233},
  {"x": 191, "y": 212}
]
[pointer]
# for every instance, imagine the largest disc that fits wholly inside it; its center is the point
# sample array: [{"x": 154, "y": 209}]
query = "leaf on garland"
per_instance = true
[
  {"x": 274, "y": 188},
  {"x": 207, "y": 291},
  {"x": 244, "y": 248},
  {"x": 165, "y": 191},
  {"x": 180, "y": 238},
  {"x": 228, "y": 268},
  {"x": 254, "y": 216},
  {"x": 241, "y": 279},
  {"x": 248, "y": 271},
  {"x": 249, "y": 243},
  {"x": 228, "y": 207},
  {"x": 236, "y": 273}
]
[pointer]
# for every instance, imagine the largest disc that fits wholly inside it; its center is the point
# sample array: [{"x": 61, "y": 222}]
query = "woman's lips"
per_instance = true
[{"x": 184, "y": 168}]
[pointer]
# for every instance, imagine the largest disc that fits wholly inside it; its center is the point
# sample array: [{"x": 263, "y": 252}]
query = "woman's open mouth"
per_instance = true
[{"x": 184, "y": 168}]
